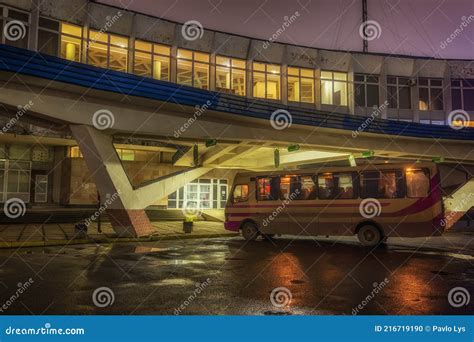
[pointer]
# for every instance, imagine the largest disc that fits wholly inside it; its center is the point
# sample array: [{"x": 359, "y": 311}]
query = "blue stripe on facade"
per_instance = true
[{"x": 53, "y": 68}]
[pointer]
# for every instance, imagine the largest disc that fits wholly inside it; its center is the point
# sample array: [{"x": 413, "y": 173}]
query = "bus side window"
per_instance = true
[
  {"x": 336, "y": 185},
  {"x": 418, "y": 182},
  {"x": 241, "y": 193},
  {"x": 268, "y": 188},
  {"x": 382, "y": 184}
]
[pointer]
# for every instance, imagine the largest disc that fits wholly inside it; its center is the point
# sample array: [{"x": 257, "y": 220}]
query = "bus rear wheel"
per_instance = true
[
  {"x": 249, "y": 231},
  {"x": 369, "y": 236}
]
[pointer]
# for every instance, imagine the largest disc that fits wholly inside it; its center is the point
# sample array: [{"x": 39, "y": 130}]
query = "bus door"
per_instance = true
[
  {"x": 270, "y": 214},
  {"x": 299, "y": 193}
]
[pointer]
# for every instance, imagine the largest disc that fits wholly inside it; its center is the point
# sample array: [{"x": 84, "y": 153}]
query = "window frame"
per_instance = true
[
  {"x": 257, "y": 194},
  {"x": 403, "y": 181},
  {"x": 193, "y": 65},
  {"x": 398, "y": 86},
  {"x": 87, "y": 40},
  {"x": 333, "y": 80},
  {"x": 231, "y": 68},
  {"x": 152, "y": 55},
  {"x": 355, "y": 185},
  {"x": 46, "y": 29},
  {"x": 365, "y": 83},
  {"x": 233, "y": 201},
  {"x": 424, "y": 169},
  {"x": 300, "y": 77},
  {"x": 462, "y": 86},
  {"x": 429, "y": 86},
  {"x": 266, "y": 73}
]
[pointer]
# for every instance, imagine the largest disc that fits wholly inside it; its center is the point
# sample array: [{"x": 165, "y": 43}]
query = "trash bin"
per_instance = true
[{"x": 188, "y": 226}]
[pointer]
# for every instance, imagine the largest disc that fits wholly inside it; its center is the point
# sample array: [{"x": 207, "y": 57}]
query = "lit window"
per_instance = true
[
  {"x": 124, "y": 154},
  {"x": 230, "y": 75},
  {"x": 418, "y": 182},
  {"x": 301, "y": 85},
  {"x": 266, "y": 81},
  {"x": 107, "y": 50},
  {"x": 430, "y": 93},
  {"x": 336, "y": 185},
  {"x": 71, "y": 38},
  {"x": 241, "y": 193},
  {"x": 268, "y": 188},
  {"x": 366, "y": 90},
  {"x": 382, "y": 184},
  {"x": 462, "y": 92},
  {"x": 74, "y": 152},
  {"x": 334, "y": 88},
  {"x": 152, "y": 60},
  {"x": 193, "y": 69},
  {"x": 399, "y": 92}
]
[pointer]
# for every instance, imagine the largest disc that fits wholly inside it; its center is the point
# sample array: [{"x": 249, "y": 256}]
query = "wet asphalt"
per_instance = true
[{"x": 233, "y": 277}]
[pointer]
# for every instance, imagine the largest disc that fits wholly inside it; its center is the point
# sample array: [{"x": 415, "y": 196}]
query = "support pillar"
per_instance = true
[
  {"x": 125, "y": 205},
  {"x": 118, "y": 197}
]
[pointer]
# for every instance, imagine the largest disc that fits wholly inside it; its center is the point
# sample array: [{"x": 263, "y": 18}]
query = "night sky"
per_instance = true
[{"x": 408, "y": 27}]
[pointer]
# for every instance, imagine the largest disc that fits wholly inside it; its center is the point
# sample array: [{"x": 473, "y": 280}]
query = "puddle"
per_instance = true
[
  {"x": 448, "y": 254},
  {"x": 174, "y": 282}
]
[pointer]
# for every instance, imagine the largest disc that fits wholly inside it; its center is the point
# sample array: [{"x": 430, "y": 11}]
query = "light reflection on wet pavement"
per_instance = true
[{"x": 322, "y": 277}]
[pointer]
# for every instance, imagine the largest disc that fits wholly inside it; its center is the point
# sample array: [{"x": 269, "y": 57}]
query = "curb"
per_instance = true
[{"x": 106, "y": 240}]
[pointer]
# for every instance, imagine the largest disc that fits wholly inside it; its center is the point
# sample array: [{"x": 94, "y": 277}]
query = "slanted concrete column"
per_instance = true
[{"x": 123, "y": 208}]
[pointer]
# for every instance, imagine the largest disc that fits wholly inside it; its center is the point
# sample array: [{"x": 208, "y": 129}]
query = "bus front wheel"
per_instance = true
[
  {"x": 249, "y": 231},
  {"x": 369, "y": 236}
]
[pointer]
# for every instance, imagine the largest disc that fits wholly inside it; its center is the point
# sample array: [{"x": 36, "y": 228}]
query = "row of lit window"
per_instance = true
[{"x": 111, "y": 51}]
